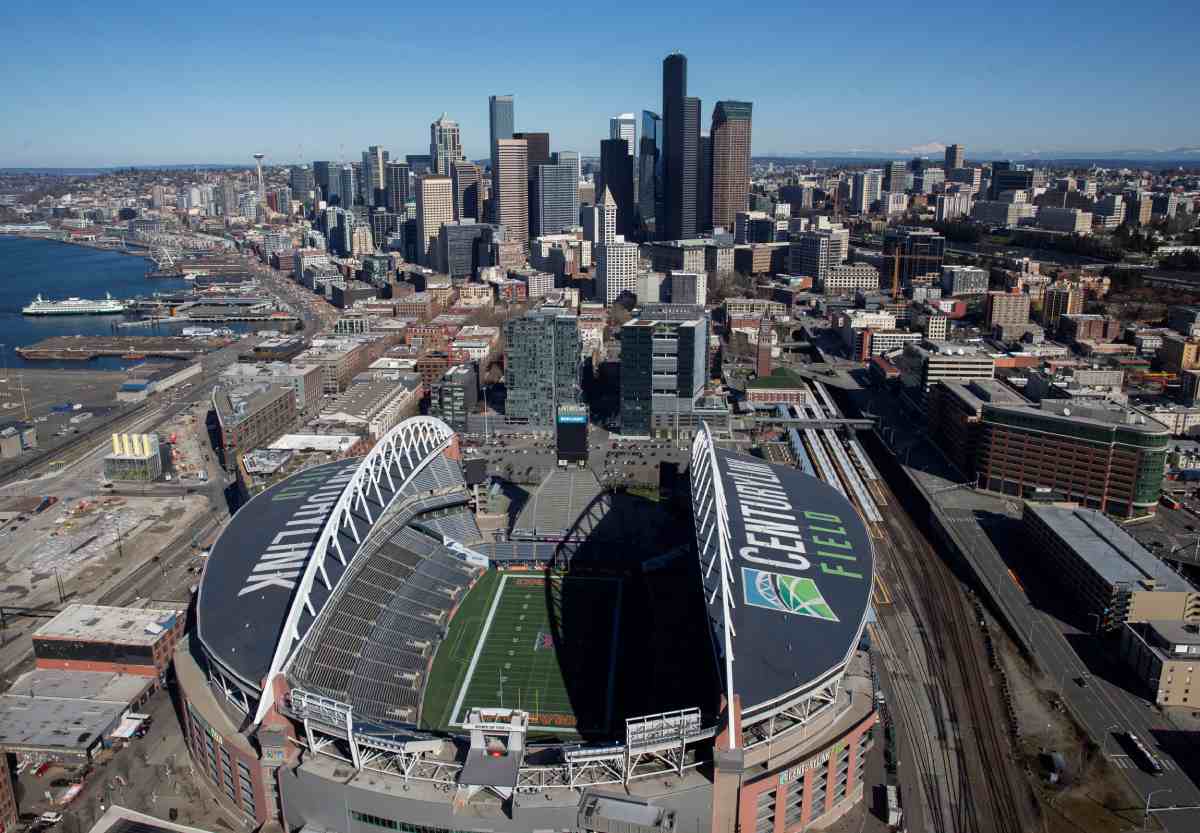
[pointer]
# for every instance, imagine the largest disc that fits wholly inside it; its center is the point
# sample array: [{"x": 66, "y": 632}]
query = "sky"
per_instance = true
[{"x": 145, "y": 83}]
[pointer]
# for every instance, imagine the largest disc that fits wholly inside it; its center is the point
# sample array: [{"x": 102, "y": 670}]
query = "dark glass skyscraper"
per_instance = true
[
  {"x": 500, "y": 119},
  {"x": 650, "y": 172},
  {"x": 681, "y": 144},
  {"x": 616, "y": 174},
  {"x": 395, "y": 183}
]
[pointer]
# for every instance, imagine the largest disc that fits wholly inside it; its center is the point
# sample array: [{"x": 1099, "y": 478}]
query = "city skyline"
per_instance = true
[{"x": 175, "y": 94}]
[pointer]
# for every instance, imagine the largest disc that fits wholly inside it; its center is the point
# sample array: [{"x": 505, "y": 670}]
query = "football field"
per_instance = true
[{"x": 547, "y": 646}]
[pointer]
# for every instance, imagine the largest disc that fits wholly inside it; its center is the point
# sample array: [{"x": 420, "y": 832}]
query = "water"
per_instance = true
[{"x": 62, "y": 270}]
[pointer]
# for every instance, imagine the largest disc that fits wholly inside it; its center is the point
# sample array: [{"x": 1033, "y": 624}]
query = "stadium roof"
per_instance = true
[
  {"x": 793, "y": 580},
  {"x": 248, "y": 586}
]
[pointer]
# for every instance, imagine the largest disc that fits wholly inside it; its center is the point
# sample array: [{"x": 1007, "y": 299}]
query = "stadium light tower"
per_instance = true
[{"x": 262, "y": 194}]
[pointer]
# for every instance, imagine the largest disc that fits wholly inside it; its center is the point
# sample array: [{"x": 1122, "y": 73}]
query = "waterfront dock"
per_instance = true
[{"x": 85, "y": 348}]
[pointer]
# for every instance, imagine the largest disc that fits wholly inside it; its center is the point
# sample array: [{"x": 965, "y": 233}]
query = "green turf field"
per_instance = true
[{"x": 526, "y": 640}]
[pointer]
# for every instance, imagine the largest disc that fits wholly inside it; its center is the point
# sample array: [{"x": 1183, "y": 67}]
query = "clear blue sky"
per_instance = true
[{"x": 151, "y": 82}]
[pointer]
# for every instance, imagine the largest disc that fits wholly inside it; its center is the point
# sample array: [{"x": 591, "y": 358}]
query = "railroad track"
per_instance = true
[{"x": 992, "y": 792}]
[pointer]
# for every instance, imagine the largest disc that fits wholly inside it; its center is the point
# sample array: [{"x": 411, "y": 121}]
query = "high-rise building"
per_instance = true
[
  {"x": 321, "y": 175},
  {"x": 397, "y": 184},
  {"x": 868, "y": 185},
  {"x": 445, "y": 145},
  {"x": 570, "y": 158},
  {"x": 650, "y": 173},
  {"x": 814, "y": 253},
  {"x": 468, "y": 202},
  {"x": 704, "y": 185},
  {"x": 624, "y": 127},
  {"x": 541, "y": 366},
  {"x": 920, "y": 250},
  {"x": 956, "y": 157},
  {"x": 681, "y": 145},
  {"x": 374, "y": 159},
  {"x": 464, "y": 246},
  {"x": 663, "y": 371},
  {"x": 616, "y": 270},
  {"x": 895, "y": 177},
  {"x": 538, "y": 147},
  {"x": 616, "y": 178},
  {"x": 1007, "y": 309},
  {"x": 730, "y": 137},
  {"x": 500, "y": 121},
  {"x": 1007, "y": 177},
  {"x": 419, "y": 163},
  {"x": 347, "y": 186},
  {"x": 435, "y": 206},
  {"x": 300, "y": 177},
  {"x": 607, "y": 210},
  {"x": 1058, "y": 300},
  {"x": 510, "y": 189},
  {"x": 555, "y": 199}
]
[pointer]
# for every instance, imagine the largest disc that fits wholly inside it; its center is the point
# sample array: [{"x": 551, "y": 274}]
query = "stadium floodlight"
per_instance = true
[{"x": 399, "y": 456}]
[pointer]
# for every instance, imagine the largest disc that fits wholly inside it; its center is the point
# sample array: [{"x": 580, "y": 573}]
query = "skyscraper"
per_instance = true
[
  {"x": 663, "y": 371},
  {"x": 650, "y": 163},
  {"x": 616, "y": 259},
  {"x": 373, "y": 160},
  {"x": 468, "y": 202},
  {"x": 704, "y": 185},
  {"x": 555, "y": 198},
  {"x": 510, "y": 189},
  {"x": 302, "y": 182},
  {"x": 541, "y": 365},
  {"x": 895, "y": 177},
  {"x": 681, "y": 144},
  {"x": 538, "y": 144},
  {"x": 347, "y": 186},
  {"x": 616, "y": 181},
  {"x": 731, "y": 123},
  {"x": 445, "y": 145},
  {"x": 396, "y": 183},
  {"x": 500, "y": 121},
  {"x": 956, "y": 157},
  {"x": 868, "y": 185},
  {"x": 624, "y": 127},
  {"x": 321, "y": 171},
  {"x": 435, "y": 206}
]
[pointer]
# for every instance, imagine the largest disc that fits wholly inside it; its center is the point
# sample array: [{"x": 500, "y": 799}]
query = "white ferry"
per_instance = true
[{"x": 75, "y": 306}]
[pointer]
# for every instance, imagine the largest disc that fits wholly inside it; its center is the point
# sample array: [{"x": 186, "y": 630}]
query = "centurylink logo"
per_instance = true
[{"x": 784, "y": 593}]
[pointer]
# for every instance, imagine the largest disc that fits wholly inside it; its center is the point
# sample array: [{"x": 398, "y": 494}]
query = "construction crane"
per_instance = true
[{"x": 896, "y": 257}]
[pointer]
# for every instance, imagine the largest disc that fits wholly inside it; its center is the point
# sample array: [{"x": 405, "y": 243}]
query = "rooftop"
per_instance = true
[
  {"x": 781, "y": 377},
  {"x": 65, "y": 710},
  {"x": 95, "y": 623},
  {"x": 1108, "y": 549}
]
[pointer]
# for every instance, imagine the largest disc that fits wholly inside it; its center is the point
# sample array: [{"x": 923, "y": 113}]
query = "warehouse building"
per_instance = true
[
  {"x": 1104, "y": 570},
  {"x": 125, "y": 640},
  {"x": 1164, "y": 654}
]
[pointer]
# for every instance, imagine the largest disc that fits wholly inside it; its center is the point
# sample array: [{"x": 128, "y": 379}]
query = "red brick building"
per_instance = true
[{"x": 123, "y": 640}]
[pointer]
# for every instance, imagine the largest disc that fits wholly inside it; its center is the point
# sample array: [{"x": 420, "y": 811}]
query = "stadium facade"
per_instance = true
[{"x": 312, "y": 681}]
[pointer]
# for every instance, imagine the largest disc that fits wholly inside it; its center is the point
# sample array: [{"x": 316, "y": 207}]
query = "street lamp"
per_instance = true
[{"x": 1146, "y": 816}]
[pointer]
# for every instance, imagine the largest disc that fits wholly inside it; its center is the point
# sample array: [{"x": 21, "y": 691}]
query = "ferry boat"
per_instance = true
[{"x": 75, "y": 306}]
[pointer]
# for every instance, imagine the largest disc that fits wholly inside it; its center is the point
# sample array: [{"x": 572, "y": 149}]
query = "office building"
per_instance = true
[
  {"x": 347, "y": 186},
  {"x": 396, "y": 183},
  {"x": 419, "y": 163},
  {"x": 704, "y": 180},
  {"x": 868, "y": 185},
  {"x": 250, "y": 415},
  {"x": 322, "y": 171},
  {"x": 895, "y": 177},
  {"x": 542, "y": 366},
  {"x": 466, "y": 178},
  {"x": 1006, "y": 178},
  {"x": 134, "y": 457},
  {"x": 681, "y": 145},
  {"x": 964, "y": 280},
  {"x": 138, "y": 641},
  {"x": 730, "y": 137},
  {"x": 1108, "y": 578},
  {"x": 616, "y": 182},
  {"x": 555, "y": 198},
  {"x": 454, "y": 396},
  {"x": 952, "y": 207},
  {"x": 956, "y": 157},
  {"x": 616, "y": 270},
  {"x": 1139, "y": 207},
  {"x": 912, "y": 253},
  {"x": 464, "y": 247},
  {"x": 500, "y": 122},
  {"x": 1059, "y": 300},
  {"x": 650, "y": 173},
  {"x": 624, "y": 127},
  {"x": 663, "y": 372},
  {"x": 374, "y": 160},
  {"x": 1068, "y": 220},
  {"x": 1082, "y": 327},
  {"x": 1007, "y": 309},
  {"x": 445, "y": 145},
  {"x": 1163, "y": 655},
  {"x": 687, "y": 288},
  {"x": 812, "y": 253},
  {"x": 435, "y": 206},
  {"x": 1101, "y": 454},
  {"x": 302, "y": 182},
  {"x": 930, "y": 362},
  {"x": 537, "y": 147},
  {"x": 510, "y": 189},
  {"x": 850, "y": 278}
]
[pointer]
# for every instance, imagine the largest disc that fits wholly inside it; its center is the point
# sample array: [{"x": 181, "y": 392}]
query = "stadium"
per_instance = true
[{"x": 363, "y": 656}]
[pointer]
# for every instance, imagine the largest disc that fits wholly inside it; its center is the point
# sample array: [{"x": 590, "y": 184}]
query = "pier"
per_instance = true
[{"x": 85, "y": 348}]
